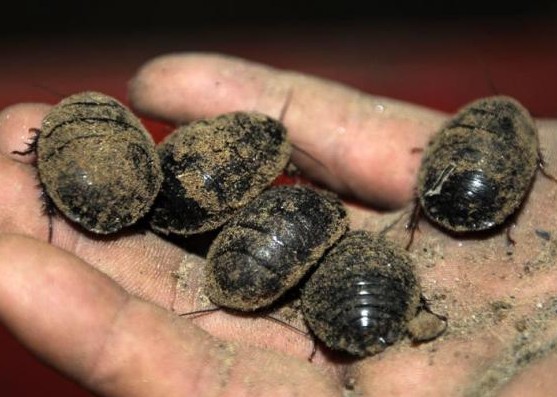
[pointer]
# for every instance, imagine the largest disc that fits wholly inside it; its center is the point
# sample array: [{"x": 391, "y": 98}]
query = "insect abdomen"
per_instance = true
[{"x": 361, "y": 295}]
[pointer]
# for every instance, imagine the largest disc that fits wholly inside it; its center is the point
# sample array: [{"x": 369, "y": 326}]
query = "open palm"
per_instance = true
[{"x": 104, "y": 310}]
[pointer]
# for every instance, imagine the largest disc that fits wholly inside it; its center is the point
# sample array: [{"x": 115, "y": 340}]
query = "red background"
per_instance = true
[{"x": 438, "y": 62}]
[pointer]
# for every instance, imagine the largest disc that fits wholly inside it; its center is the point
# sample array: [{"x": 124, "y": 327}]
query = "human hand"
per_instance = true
[{"x": 104, "y": 310}]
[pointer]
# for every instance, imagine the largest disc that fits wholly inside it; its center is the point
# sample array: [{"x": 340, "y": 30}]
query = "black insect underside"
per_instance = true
[
  {"x": 466, "y": 199},
  {"x": 369, "y": 310},
  {"x": 362, "y": 295}
]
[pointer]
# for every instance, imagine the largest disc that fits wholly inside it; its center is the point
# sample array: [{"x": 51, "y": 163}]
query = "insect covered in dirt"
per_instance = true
[
  {"x": 269, "y": 246},
  {"x": 364, "y": 296},
  {"x": 213, "y": 167},
  {"x": 96, "y": 162},
  {"x": 478, "y": 169}
]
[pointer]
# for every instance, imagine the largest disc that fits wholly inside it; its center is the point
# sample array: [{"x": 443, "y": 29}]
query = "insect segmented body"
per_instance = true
[
  {"x": 271, "y": 244},
  {"x": 215, "y": 166},
  {"x": 97, "y": 163},
  {"x": 478, "y": 168},
  {"x": 362, "y": 295}
]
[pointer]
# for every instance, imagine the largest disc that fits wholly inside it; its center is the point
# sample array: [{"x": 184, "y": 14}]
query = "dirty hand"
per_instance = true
[{"x": 104, "y": 310}]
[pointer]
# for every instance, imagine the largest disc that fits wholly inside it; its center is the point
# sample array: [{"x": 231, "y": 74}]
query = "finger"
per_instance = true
[
  {"x": 20, "y": 205},
  {"x": 16, "y": 129},
  {"x": 356, "y": 144},
  {"x": 81, "y": 322}
]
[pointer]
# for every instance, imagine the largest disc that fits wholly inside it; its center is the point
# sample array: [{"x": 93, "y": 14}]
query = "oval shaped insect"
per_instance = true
[
  {"x": 362, "y": 295},
  {"x": 97, "y": 163},
  {"x": 271, "y": 244},
  {"x": 478, "y": 168},
  {"x": 215, "y": 166}
]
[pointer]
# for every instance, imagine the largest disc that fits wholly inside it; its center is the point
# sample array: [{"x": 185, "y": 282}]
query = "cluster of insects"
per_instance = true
[{"x": 99, "y": 167}]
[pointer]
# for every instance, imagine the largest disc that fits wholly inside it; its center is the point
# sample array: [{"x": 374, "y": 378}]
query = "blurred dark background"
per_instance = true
[
  {"x": 108, "y": 17},
  {"x": 436, "y": 53},
  {"x": 432, "y": 53}
]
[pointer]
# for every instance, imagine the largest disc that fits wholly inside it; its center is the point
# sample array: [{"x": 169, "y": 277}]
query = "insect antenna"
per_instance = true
[
  {"x": 489, "y": 77},
  {"x": 56, "y": 94},
  {"x": 285, "y": 324},
  {"x": 203, "y": 312},
  {"x": 384, "y": 231},
  {"x": 296, "y": 330},
  {"x": 286, "y": 104},
  {"x": 199, "y": 313},
  {"x": 291, "y": 169},
  {"x": 310, "y": 156}
]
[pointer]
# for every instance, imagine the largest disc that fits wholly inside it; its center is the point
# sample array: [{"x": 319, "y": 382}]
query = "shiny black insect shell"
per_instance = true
[
  {"x": 478, "y": 168},
  {"x": 97, "y": 163},
  {"x": 271, "y": 244},
  {"x": 213, "y": 167},
  {"x": 362, "y": 295}
]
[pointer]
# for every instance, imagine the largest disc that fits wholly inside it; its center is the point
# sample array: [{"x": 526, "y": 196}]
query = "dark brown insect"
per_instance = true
[
  {"x": 215, "y": 166},
  {"x": 363, "y": 295},
  {"x": 97, "y": 163},
  {"x": 479, "y": 167},
  {"x": 271, "y": 244}
]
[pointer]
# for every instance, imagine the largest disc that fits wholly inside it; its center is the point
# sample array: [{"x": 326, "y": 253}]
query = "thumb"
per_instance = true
[{"x": 79, "y": 321}]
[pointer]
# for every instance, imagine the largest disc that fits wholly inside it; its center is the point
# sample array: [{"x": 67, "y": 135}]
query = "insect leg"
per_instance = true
[
  {"x": 31, "y": 145},
  {"x": 413, "y": 224}
]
